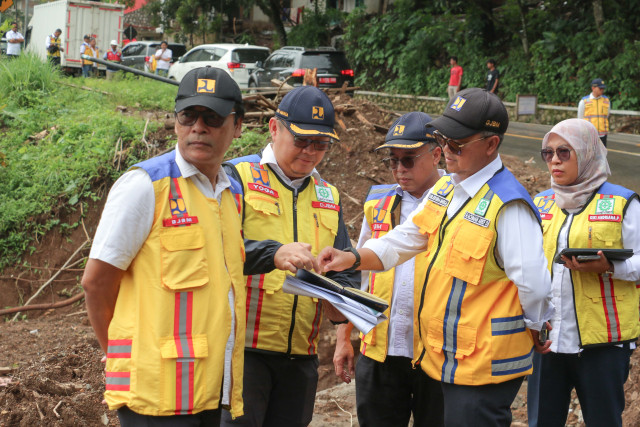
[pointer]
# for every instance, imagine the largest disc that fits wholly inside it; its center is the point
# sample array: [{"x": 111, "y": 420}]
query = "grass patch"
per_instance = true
[{"x": 57, "y": 143}]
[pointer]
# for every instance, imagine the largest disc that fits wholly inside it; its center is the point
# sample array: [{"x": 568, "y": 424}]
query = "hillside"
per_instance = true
[{"x": 55, "y": 376}]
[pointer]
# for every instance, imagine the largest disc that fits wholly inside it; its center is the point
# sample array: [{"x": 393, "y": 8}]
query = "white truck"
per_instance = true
[{"x": 104, "y": 21}]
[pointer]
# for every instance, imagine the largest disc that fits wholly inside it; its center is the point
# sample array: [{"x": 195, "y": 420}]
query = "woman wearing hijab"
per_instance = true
[{"x": 596, "y": 323}]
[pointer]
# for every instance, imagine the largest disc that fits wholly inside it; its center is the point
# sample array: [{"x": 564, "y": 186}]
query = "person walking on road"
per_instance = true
[
  {"x": 487, "y": 292},
  {"x": 493, "y": 77},
  {"x": 388, "y": 388},
  {"x": 595, "y": 108},
  {"x": 455, "y": 79}
]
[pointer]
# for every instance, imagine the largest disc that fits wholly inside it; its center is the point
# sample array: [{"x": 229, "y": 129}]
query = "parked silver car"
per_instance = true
[{"x": 236, "y": 59}]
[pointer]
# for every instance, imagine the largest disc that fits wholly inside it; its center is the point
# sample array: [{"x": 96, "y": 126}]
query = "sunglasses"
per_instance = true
[
  {"x": 407, "y": 162},
  {"x": 317, "y": 145},
  {"x": 210, "y": 118},
  {"x": 454, "y": 146},
  {"x": 563, "y": 153}
]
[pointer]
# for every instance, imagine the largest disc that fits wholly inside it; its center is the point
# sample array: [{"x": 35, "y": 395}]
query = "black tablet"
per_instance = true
[{"x": 588, "y": 254}]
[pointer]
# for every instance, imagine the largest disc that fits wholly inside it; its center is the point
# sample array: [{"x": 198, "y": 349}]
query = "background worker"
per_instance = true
[
  {"x": 455, "y": 79},
  {"x": 163, "y": 59},
  {"x": 54, "y": 47},
  {"x": 388, "y": 388},
  {"x": 595, "y": 108},
  {"x": 285, "y": 199},
  {"x": 14, "y": 40},
  {"x": 114, "y": 54},
  {"x": 86, "y": 49},
  {"x": 596, "y": 325},
  {"x": 486, "y": 283},
  {"x": 164, "y": 281},
  {"x": 493, "y": 77}
]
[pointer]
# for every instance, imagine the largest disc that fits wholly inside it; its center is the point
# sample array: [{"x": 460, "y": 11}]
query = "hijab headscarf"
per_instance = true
[{"x": 593, "y": 168}]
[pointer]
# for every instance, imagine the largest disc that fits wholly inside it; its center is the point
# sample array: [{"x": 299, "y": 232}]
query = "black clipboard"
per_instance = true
[
  {"x": 355, "y": 294},
  {"x": 610, "y": 254}
]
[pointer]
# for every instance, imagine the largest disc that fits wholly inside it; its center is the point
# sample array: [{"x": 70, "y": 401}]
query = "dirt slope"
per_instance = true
[{"x": 57, "y": 377}]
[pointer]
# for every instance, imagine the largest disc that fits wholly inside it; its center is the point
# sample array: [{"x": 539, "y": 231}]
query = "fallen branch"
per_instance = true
[
  {"x": 85, "y": 88},
  {"x": 55, "y": 410},
  {"x": 66, "y": 264},
  {"x": 44, "y": 306}
]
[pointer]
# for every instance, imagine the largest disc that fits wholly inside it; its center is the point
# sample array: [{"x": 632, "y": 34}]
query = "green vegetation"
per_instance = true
[
  {"x": 552, "y": 48},
  {"x": 58, "y": 144}
]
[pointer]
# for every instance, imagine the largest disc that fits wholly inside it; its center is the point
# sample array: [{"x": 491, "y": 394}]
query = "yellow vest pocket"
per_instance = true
[
  {"x": 469, "y": 248},
  {"x": 183, "y": 259}
]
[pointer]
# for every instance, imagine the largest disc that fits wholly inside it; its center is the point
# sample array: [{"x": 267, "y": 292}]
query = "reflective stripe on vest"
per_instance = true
[
  {"x": 254, "y": 309},
  {"x": 183, "y": 316}
]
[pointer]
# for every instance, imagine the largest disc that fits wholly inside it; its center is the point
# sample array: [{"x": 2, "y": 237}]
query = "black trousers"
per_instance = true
[
  {"x": 479, "y": 406},
  {"x": 388, "y": 393},
  {"x": 128, "y": 418},
  {"x": 598, "y": 375},
  {"x": 278, "y": 391}
]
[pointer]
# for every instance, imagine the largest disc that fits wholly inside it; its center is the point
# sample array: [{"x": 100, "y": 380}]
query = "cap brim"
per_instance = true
[
  {"x": 452, "y": 128},
  {"x": 301, "y": 129},
  {"x": 221, "y": 106},
  {"x": 404, "y": 143}
]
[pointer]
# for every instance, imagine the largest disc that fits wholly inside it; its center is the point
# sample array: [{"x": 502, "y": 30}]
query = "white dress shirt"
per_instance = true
[
  {"x": 13, "y": 48},
  {"x": 127, "y": 219},
  {"x": 269, "y": 158},
  {"x": 564, "y": 335},
  {"x": 518, "y": 247}
]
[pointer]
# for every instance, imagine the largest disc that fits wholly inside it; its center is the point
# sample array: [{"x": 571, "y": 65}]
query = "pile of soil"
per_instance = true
[{"x": 50, "y": 362}]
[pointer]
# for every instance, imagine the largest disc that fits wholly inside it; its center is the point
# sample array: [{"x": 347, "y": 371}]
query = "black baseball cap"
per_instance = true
[
  {"x": 473, "y": 110},
  {"x": 86, "y": 36},
  {"x": 599, "y": 83},
  {"x": 408, "y": 131},
  {"x": 307, "y": 111},
  {"x": 208, "y": 87}
]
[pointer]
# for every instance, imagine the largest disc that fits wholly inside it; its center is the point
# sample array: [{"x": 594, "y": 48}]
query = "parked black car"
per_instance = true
[
  {"x": 136, "y": 54},
  {"x": 291, "y": 62}
]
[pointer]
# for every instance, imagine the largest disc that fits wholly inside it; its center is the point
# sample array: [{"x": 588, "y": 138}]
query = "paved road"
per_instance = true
[{"x": 524, "y": 141}]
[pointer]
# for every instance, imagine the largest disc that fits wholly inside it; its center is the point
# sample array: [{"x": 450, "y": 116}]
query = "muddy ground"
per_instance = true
[{"x": 50, "y": 368}]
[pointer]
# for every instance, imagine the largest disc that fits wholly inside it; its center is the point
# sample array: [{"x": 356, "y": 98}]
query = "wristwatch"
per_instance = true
[
  {"x": 356, "y": 254},
  {"x": 610, "y": 270}
]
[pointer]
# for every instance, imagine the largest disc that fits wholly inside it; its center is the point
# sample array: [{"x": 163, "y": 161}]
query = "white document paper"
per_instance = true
[{"x": 361, "y": 316}]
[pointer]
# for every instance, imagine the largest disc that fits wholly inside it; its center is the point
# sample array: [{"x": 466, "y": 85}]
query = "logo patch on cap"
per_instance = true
[
  {"x": 398, "y": 130},
  {"x": 317, "y": 113},
  {"x": 206, "y": 86},
  {"x": 492, "y": 124},
  {"x": 458, "y": 103}
]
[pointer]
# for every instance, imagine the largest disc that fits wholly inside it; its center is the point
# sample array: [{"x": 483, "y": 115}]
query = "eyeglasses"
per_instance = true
[
  {"x": 317, "y": 145},
  {"x": 210, "y": 118},
  {"x": 454, "y": 146},
  {"x": 407, "y": 162},
  {"x": 563, "y": 153}
]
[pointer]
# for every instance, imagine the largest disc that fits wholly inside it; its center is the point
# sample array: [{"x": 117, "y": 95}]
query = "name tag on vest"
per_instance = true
[
  {"x": 477, "y": 219},
  {"x": 325, "y": 205},
  {"x": 438, "y": 200},
  {"x": 379, "y": 226},
  {"x": 546, "y": 216},
  {"x": 262, "y": 189},
  {"x": 177, "y": 222},
  {"x": 609, "y": 218}
]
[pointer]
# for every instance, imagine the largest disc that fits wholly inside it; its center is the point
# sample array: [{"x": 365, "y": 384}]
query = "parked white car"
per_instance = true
[{"x": 236, "y": 59}]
